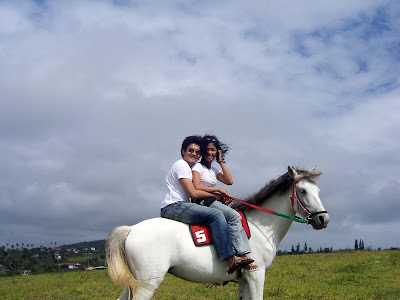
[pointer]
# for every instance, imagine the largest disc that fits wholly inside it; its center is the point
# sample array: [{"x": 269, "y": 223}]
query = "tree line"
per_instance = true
[
  {"x": 16, "y": 258},
  {"x": 305, "y": 249},
  {"x": 358, "y": 245}
]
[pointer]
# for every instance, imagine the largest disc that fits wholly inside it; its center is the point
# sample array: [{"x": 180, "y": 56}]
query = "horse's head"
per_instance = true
[{"x": 305, "y": 197}]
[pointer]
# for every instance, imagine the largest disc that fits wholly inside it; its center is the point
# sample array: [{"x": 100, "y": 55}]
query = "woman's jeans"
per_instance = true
[
  {"x": 238, "y": 235},
  {"x": 191, "y": 213}
]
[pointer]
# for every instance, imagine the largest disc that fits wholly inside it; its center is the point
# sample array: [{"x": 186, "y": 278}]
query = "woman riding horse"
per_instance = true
[
  {"x": 205, "y": 177},
  {"x": 177, "y": 206}
]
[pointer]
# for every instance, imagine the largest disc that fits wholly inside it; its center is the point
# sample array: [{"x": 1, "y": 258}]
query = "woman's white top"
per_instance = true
[{"x": 208, "y": 177}]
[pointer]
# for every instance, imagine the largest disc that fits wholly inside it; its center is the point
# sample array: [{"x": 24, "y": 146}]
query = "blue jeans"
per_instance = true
[
  {"x": 191, "y": 213},
  {"x": 238, "y": 235}
]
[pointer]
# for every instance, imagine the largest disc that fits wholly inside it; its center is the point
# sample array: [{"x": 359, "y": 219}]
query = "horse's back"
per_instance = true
[
  {"x": 157, "y": 237},
  {"x": 161, "y": 245},
  {"x": 147, "y": 232}
]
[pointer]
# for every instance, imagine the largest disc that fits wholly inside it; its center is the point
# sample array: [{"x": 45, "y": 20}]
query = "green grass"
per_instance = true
[
  {"x": 342, "y": 275},
  {"x": 64, "y": 285},
  {"x": 82, "y": 259}
]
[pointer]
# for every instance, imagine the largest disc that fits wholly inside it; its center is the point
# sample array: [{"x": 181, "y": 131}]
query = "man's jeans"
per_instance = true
[{"x": 191, "y": 213}]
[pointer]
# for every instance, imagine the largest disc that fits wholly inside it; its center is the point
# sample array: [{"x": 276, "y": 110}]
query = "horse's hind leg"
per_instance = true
[
  {"x": 147, "y": 291},
  {"x": 148, "y": 267},
  {"x": 142, "y": 293},
  {"x": 126, "y": 294}
]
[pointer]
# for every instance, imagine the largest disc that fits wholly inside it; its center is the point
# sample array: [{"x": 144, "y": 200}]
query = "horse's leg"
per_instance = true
[
  {"x": 126, "y": 295},
  {"x": 244, "y": 290},
  {"x": 150, "y": 273},
  {"x": 255, "y": 281},
  {"x": 141, "y": 293},
  {"x": 251, "y": 286},
  {"x": 148, "y": 290},
  {"x": 148, "y": 266}
]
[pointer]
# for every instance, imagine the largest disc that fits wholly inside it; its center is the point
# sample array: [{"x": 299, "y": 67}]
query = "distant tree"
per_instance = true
[
  {"x": 361, "y": 246},
  {"x": 298, "y": 248},
  {"x": 305, "y": 248},
  {"x": 356, "y": 245},
  {"x": 292, "y": 250}
]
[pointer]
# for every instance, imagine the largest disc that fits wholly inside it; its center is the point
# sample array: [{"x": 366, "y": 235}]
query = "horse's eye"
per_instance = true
[{"x": 303, "y": 191}]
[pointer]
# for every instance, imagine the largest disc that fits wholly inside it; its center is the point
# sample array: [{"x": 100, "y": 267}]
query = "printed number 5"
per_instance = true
[{"x": 200, "y": 236}]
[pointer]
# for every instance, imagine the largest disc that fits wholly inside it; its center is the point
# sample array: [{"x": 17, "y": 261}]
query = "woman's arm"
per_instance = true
[
  {"x": 193, "y": 193},
  {"x": 224, "y": 176},
  {"x": 211, "y": 189}
]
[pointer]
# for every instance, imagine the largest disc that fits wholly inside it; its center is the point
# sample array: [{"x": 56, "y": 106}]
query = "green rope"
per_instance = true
[{"x": 296, "y": 219}]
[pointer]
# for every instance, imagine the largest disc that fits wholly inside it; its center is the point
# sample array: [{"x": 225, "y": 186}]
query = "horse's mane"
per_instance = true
[{"x": 275, "y": 186}]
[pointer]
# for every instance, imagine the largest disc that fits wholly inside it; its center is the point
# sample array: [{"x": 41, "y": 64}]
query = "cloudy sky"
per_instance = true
[{"x": 97, "y": 96}]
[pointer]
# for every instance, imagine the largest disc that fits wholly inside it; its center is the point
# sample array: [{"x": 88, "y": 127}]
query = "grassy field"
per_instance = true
[{"x": 342, "y": 275}]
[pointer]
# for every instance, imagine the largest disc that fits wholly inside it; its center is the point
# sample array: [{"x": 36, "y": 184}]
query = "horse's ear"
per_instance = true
[
  {"x": 313, "y": 169},
  {"x": 292, "y": 172}
]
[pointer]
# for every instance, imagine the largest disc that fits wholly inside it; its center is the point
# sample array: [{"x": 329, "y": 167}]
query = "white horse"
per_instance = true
[{"x": 139, "y": 256}]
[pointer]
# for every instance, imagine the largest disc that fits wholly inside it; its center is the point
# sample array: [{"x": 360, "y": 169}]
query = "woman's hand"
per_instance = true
[
  {"x": 219, "y": 156},
  {"x": 222, "y": 191},
  {"x": 227, "y": 201},
  {"x": 219, "y": 197}
]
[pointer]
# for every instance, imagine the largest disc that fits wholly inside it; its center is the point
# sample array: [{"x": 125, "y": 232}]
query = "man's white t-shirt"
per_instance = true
[
  {"x": 208, "y": 177},
  {"x": 175, "y": 191}
]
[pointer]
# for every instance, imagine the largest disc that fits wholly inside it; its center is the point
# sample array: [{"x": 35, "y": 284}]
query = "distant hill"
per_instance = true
[{"x": 94, "y": 244}]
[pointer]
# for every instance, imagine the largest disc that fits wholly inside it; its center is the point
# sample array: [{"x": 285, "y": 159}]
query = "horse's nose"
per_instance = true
[{"x": 323, "y": 220}]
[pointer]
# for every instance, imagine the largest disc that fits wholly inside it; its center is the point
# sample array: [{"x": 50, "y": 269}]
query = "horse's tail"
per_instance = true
[{"x": 118, "y": 268}]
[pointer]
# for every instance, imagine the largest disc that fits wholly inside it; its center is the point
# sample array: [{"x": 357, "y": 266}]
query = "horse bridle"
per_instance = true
[
  {"x": 294, "y": 196},
  {"x": 301, "y": 204}
]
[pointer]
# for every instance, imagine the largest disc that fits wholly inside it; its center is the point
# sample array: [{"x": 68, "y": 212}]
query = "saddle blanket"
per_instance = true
[{"x": 201, "y": 234}]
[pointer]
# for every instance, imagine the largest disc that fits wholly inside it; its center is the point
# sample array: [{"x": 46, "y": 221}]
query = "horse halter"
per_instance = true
[{"x": 301, "y": 205}]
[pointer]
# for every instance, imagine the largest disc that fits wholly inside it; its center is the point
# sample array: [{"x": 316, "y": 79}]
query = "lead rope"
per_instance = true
[{"x": 272, "y": 212}]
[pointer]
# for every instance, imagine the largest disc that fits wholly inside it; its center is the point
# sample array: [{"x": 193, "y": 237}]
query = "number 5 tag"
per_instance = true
[{"x": 200, "y": 236}]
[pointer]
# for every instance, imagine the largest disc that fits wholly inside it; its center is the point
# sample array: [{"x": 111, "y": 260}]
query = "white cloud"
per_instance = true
[
  {"x": 367, "y": 128},
  {"x": 97, "y": 97}
]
